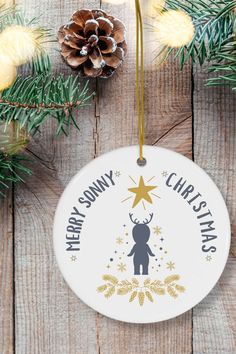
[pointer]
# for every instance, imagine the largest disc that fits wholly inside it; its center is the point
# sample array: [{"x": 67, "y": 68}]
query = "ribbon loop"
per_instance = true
[{"x": 140, "y": 76}]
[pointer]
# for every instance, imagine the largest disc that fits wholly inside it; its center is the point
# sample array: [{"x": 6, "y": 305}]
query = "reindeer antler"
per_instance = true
[
  {"x": 146, "y": 221},
  {"x": 135, "y": 221}
]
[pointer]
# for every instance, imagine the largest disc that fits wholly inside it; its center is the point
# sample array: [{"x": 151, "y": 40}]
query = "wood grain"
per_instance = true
[
  {"x": 49, "y": 317},
  {"x": 7, "y": 268},
  {"x": 6, "y": 276},
  {"x": 214, "y": 319}
]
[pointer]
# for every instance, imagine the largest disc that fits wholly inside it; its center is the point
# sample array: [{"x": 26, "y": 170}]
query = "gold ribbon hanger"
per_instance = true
[{"x": 140, "y": 79}]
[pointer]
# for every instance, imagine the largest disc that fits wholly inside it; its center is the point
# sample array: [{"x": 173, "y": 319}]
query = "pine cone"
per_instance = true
[{"x": 93, "y": 43}]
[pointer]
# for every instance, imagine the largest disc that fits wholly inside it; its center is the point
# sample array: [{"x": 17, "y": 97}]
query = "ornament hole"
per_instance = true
[{"x": 141, "y": 162}]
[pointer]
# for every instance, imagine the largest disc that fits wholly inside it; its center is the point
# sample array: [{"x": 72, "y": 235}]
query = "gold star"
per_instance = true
[
  {"x": 121, "y": 267},
  {"x": 208, "y": 258},
  {"x": 157, "y": 230},
  {"x": 73, "y": 258},
  {"x": 141, "y": 192},
  {"x": 170, "y": 265},
  {"x": 119, "y": 240},
  {"x": 164, "y": 173}
]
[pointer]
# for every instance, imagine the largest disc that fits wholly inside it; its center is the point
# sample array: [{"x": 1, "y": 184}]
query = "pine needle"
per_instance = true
[
  {"x": 214, "y": 38},
  {"x": 34, "y": 99},
  {"x": 12, "y": 170},
  {"x": 213, "y": 22}
]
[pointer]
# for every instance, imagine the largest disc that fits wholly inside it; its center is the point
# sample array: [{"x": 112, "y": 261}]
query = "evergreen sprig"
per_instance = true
[
  {"x": 12, "y": 169},
  {"x": 34, "y": 99},
  {"x": 224, "y": 66},
  {"x": 13, "y": 15},
  {"x": 214, "y": 22},
  {"x": 214, "y": 38},
  {"x": 41, "y": 64}
]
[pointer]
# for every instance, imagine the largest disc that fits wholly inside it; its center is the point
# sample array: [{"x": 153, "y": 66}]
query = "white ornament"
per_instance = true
[{"x": 141, "y": 244}]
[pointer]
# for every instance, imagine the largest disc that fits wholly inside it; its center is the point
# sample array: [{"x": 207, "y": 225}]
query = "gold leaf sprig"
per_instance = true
[{"x": 141, "y": 291}]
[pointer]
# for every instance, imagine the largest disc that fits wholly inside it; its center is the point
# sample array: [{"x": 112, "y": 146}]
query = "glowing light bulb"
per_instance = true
[
  {"x": 7, "y": 72},
  {"x": 13, "y": 138},
  {"x": 152, "y": 8},
  {"x": 19, "y": 44},
  {"x": 174, "y": 28}
]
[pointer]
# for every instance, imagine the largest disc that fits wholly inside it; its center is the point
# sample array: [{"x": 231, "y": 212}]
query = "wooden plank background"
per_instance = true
[{"x": 38, "y": 312}]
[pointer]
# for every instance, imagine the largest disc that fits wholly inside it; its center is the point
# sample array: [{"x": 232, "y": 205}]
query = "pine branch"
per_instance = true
[
  {"x": 12, "y": 170},
  {"x": 214, "y": 39},
  {"x": 33, "y": 100},
  {"x": 12, "y": 15},
  {"x": 224, "y": 66},
  {"x": 214, "y": 22},
  {"x": 41, "y": 64}
]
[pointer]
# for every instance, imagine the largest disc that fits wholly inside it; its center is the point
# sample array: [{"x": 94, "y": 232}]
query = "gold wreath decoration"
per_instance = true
[{"x": 147, "y": 290}]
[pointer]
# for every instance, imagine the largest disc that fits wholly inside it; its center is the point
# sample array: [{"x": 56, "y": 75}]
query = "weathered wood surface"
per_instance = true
[
  {"x": 6, "y": 275},
  {"x": 43, "y": 312},
  {"x": 7, "y": 270},
  {"x": 214, "y": 319}
]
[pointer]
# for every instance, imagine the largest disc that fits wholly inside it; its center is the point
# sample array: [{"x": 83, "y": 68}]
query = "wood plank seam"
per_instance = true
[{"x": 170, "y": 129}]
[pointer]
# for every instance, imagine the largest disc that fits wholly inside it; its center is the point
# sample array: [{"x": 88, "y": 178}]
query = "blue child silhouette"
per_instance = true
[{"x": 141, "y": 250}]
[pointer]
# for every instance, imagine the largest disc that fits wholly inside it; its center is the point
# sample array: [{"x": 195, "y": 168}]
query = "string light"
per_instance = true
[
  {"x": 152, "y": 8},
  {"x": 7, "y": 72},
  {"x": 19, "y": 44},
  {"x": 174, "y": 28},
  {"x": 13, "y": 139}
]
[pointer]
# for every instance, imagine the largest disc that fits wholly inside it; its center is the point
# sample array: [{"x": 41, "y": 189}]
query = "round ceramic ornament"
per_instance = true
[{"x": 141, "y": 243}]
